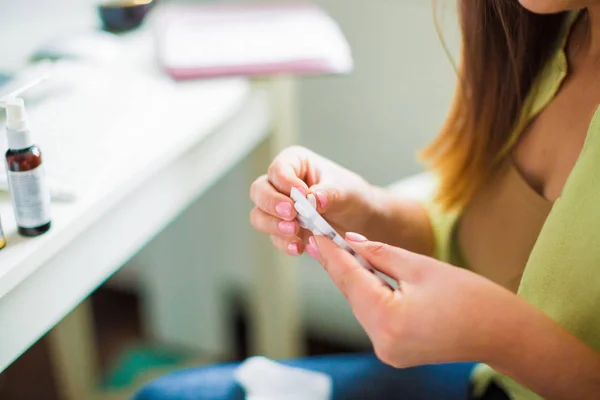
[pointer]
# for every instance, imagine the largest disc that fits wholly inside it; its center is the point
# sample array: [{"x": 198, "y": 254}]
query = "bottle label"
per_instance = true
[{"x": 30, "y": 196}]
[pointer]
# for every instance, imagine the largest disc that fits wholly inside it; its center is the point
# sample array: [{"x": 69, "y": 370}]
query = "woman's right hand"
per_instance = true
[{"x": 343, "y": 198}]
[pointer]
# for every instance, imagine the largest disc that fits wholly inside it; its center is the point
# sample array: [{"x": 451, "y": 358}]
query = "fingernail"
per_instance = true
[
  {"x": 313, "y": 242},
  {"x": 312, "y": 251},
  {"x": 322, "y": 199},
  {"x": 284, "y": 209},
  {"x": 287, "y": 227},
  {"x": 293, "y": 249},
  {"x": 355, "y": 237}
]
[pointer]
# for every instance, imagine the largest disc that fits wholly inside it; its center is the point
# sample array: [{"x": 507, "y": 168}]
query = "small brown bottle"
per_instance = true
[{"x": 26, "y": 175}]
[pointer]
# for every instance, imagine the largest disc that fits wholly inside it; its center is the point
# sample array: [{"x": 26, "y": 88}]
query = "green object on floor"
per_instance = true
[{"x": 137, "y": 360}]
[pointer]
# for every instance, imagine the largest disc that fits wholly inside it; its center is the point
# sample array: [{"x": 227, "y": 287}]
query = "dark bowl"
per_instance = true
[{"x": 124, "y": 15}]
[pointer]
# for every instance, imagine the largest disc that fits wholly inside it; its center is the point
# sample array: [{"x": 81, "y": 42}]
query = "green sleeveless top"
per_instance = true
[{"x": 562, "y": 274}]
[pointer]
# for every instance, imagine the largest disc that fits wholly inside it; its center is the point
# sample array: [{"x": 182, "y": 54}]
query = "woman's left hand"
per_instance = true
[{"x": 439, "y": 313}]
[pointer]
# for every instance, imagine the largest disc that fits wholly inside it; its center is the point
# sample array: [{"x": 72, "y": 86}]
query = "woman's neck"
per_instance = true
[{"x": 590, "y": 39}]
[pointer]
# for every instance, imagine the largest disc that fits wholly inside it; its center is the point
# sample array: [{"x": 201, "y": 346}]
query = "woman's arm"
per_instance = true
[
  {"x": 400, "y": 222},
  {"x": 537, "y": 352}
]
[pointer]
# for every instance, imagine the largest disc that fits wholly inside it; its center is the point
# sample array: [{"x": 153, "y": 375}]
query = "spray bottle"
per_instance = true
[
  {"x": 25, "y": 171},
  {"x": 26, "y": 174}
]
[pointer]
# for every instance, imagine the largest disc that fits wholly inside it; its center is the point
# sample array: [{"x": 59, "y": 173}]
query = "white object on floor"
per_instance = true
[{"x": 265, "y": 379}]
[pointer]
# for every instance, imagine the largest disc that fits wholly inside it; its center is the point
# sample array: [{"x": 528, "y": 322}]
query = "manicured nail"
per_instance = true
[
  {"x": 312, "y": 241},
  {"x": 284, "y": 209},
  {"x": 322, "y": 199},
  {"x": 312, "y": 251},
  {"x": 293, "y": 249},
  {"x": 287, "y": 227},
  {"x": 355, "y": 237}
]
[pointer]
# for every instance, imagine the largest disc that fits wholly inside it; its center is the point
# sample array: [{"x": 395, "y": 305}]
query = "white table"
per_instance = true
[{"x": 137, "y": 149}]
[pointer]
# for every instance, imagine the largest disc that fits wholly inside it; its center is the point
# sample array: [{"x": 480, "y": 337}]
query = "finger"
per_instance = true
[
  {"x": 266, "y": 223},
  {"x": 326, "y": 197},
  {"x": 305, "y": 234},
  {"x": 394, "y": 262},
  {"x": 289, "y": 170},
  {"x": 361, "y": 288},
  {"x": 310, "y": 247},
  {"x": 268, "y": 199},
  {"x": 291, "y": 246}
]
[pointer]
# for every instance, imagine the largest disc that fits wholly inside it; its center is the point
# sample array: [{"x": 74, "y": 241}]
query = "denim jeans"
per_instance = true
[{"x": 357, "y": 376}]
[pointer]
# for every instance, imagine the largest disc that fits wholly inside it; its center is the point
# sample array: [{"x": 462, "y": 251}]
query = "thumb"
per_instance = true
[
  {"x": 328, "y": 198},
  {"x": 397, "y": 263}
]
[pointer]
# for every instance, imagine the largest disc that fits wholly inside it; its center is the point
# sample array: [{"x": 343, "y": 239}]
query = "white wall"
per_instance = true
[
  {"x": 26, "y": 24},
  {"x": 372, "y": 121},
  {"x": 375, "y": 120},
  {"x": 395, "y": 101}
]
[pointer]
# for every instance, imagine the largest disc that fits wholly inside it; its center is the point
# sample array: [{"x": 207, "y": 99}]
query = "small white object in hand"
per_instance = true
[
  {"x": 313, "y": 200},
  {"x": 310, "y": 219},
  {"x": 264, "y": 379}
]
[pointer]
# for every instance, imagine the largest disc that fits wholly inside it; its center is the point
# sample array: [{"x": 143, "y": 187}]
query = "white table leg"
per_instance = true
[
  {"x": 73, "y": 354},
  {"x": 275, "y": 326}
]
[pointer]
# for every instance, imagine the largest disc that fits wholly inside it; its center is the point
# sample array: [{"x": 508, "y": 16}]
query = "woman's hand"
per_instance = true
[
  {"x": 342, "y": 197},
  {"x": 439, "y": 313}
]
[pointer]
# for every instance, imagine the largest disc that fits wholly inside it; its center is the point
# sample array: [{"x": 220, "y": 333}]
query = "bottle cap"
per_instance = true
[{"x": 18, "y": 136}]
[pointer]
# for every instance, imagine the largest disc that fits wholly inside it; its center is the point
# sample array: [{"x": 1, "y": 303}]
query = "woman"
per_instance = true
[{"x": 518, "y": 210}]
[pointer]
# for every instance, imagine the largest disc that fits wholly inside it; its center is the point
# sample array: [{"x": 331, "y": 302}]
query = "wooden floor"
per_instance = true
[{"x": 117, "y": 324}]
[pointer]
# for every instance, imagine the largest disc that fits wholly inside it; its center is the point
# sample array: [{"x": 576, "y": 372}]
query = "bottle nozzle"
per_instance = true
[
  {"x": 17, "y": 132},
  {"x": 16, "y": 117}
]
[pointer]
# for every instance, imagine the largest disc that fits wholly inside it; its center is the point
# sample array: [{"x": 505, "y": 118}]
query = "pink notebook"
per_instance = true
[{"x": 249, "y": 39}]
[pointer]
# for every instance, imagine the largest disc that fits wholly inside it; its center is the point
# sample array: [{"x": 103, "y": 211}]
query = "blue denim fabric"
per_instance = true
[{"x": 355, "y": 377}]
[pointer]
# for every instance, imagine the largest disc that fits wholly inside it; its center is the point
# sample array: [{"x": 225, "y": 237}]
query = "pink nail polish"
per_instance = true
[
  {"x": 355, "y": 237},
  {"x": 293, "y": 249},
  {"x": 287, "y": 227},
  {"x": 312, "y": 251},
  {"x": 313, "y": 242},
  {"x": 321, "y": 199},
  {"x": 284, "y": 209}
]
